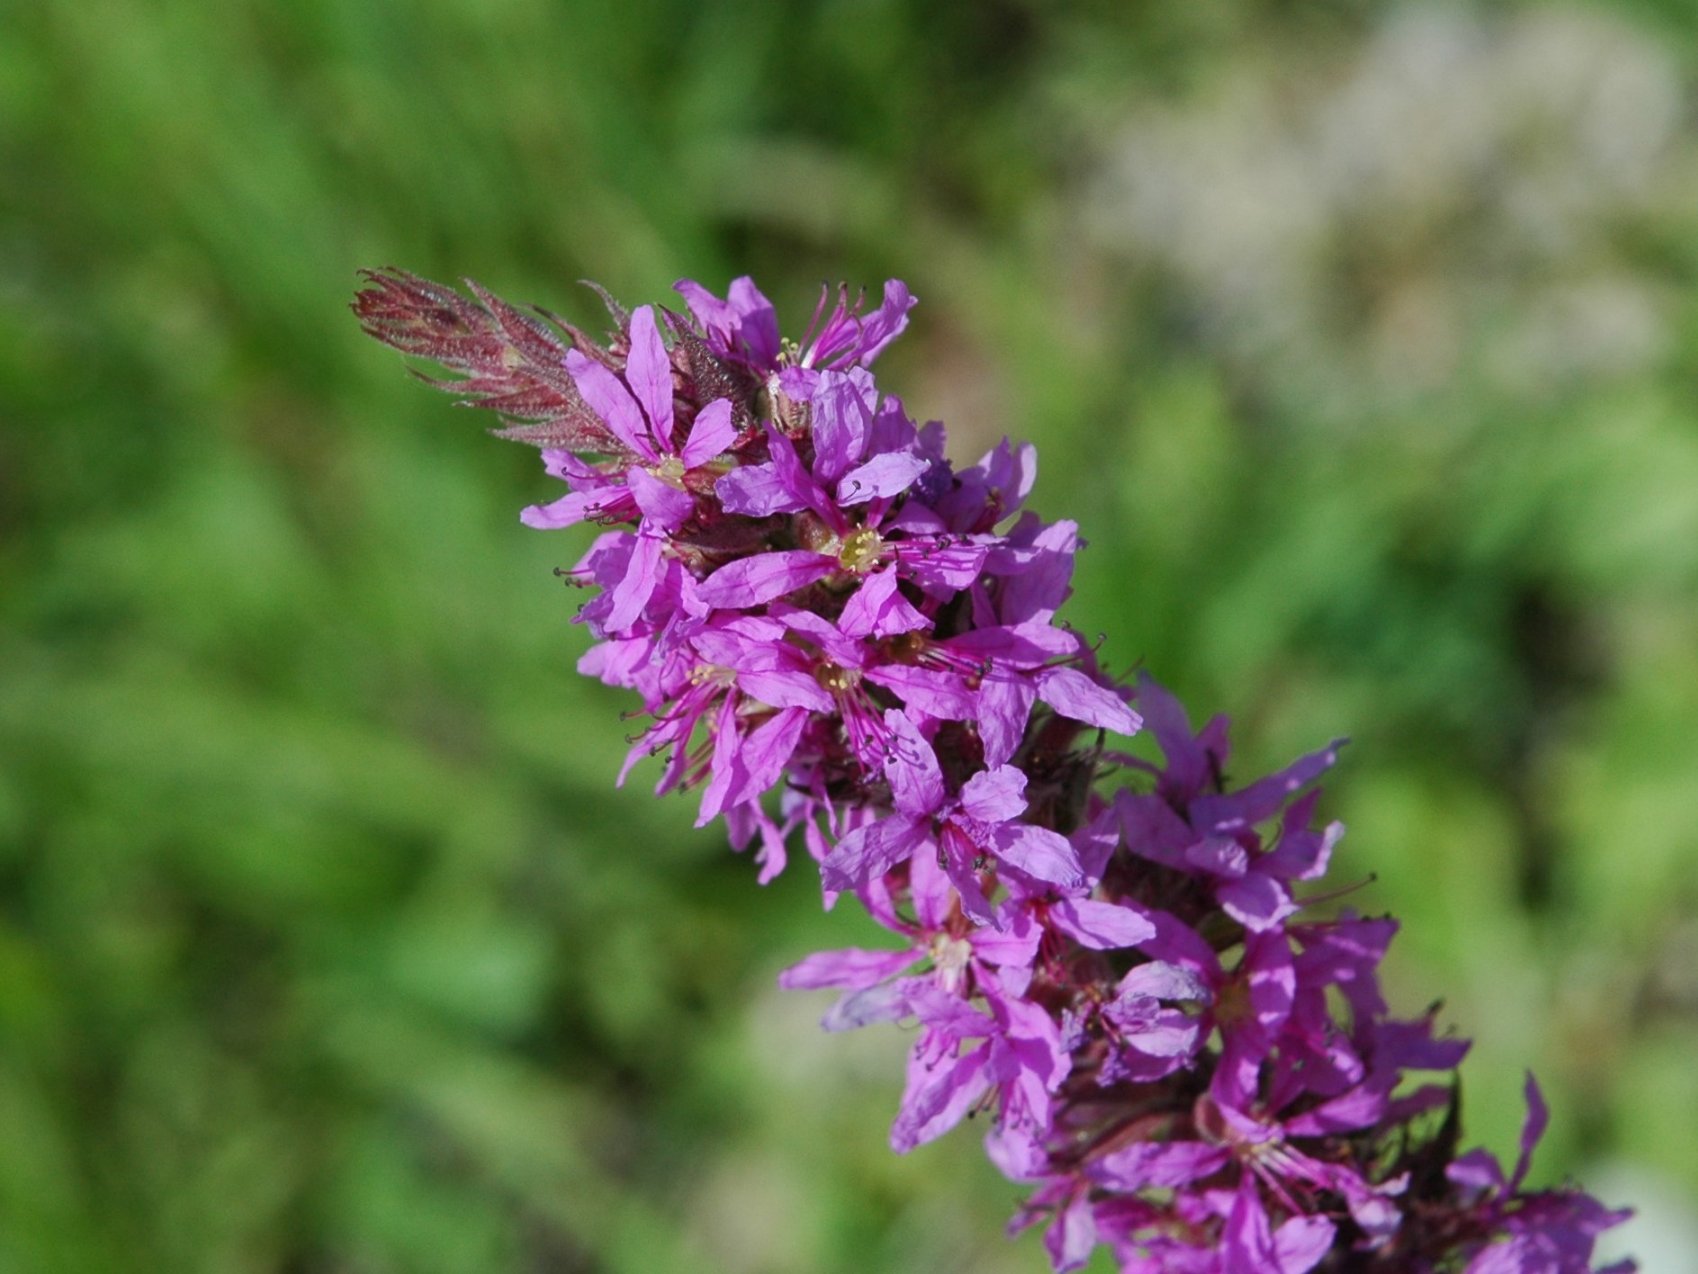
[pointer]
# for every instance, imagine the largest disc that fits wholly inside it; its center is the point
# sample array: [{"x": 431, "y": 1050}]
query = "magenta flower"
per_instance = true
[
  {"x": 1188, "y": 824},
  {"x": 843, "y": 478},
  {"x": 978, "y": 827},
  {"x": 743, "y": 328},
  {"x": 637, "y": 411}
]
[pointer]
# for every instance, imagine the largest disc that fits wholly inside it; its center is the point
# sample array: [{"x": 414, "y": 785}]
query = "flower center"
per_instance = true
[
  {"x": 670, "y": 471},
  {"x": 860, "y": 550},
  {"x": 1232, "y": 1005},
  {"x": 950, "y": 956},
  {"x": 836, "y": 678},
  {"x": 905, "y": 647}
]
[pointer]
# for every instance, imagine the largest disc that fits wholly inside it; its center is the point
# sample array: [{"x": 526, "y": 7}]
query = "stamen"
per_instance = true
[
  {"x": 670, "y": 471},
  {"x": 861, "y": 550},
  {"x": 836, "y": 678}
]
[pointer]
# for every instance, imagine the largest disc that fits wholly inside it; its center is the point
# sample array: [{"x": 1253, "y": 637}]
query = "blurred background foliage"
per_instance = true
[{"x": 1360, "y": 338}]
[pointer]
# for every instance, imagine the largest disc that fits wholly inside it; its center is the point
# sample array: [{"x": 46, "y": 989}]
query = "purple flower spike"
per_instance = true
[{"x": 1112, "y": 963}]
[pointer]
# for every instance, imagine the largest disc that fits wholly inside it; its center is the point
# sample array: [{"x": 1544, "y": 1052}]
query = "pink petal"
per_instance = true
[
  {"x": 841, "y": 417},
  {"x": 995, "y": 796},
  {"x": 1360, "y": 1107},
  {"x": 1072, "y": 1235},
  {"x": 649, "y": 372},
  {"x": 1257, "y": 902},
  {"x": 938, "y": 1097},
  {"x": 1303, "y": 1243},
  {"x": 1105, "y": 926},
  {"x": 1078, "y": 698},
  {"x": 916, "y": 780},
  {"x": 608, "y": 398},
  {"x": 1264, "y": 797},
  {"x": 1004, "y": 705},
  {"x": 870, "y": 851},
  {"x": 1158, "y": 1164},
  {"x": 1015, "y": 945},
  {"x": 929, "y": 887},
  {"x": 711, "y": 433},
  {"x": 569, "y": 510},
  {"x": 1538, "y": 1115},
  {"x": 1041, "y": 854},
  {"x": 634, "y": 591},
  {"x": 880, "y": 478},
  {"x": 1273, "y": 978},
  {"x": 767, "y": 750},
  {"x": 878, "y": 610},
  {"x": 663, "y": 504},
  {"x": 1248, "y": 1246},
  {"x": 749, "y": 581},
  {"x": 1024, "y": 647},
  {"x": 930, "y": 692},
  {"x": 757, "y": 322},
  {"x": 756, "y": 490},
  {"x": 1163, "y": 981},
  {"x": 851, "y": 967},
  {"x": 885, "y": 324}
]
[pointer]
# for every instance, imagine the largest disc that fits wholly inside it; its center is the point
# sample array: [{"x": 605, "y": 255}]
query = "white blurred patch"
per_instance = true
[
  {"x": 1455, "y": 196},
  {"x": 793, "y": 1050},
  {"x": 1663, "y": 1232},
  {"x": 753, "y": 1213}
]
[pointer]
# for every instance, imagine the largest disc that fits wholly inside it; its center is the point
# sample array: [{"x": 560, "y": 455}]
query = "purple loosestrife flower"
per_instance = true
[
  {"x": 743, "y": 328},
  {"x": 965, "y": 830},
  {"x": 859, "y": 459},
  {"x": 637, "y": 411},
  {"x": 841, "y": 637},
  {"x": 1190, "y": 825}
]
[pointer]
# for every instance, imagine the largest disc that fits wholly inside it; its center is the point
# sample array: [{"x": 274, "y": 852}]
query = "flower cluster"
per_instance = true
[{"x": 844, "y": 640}]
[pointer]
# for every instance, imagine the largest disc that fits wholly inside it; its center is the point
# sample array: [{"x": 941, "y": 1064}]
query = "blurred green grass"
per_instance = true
[{"x": 325, "y": 946}]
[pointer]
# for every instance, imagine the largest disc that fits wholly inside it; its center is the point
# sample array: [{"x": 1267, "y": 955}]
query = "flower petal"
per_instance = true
[
  {"x": 1164, "y": 981},
  {"x": 996, "y": 796},
  {"x": 608, "y": 398},
  {"x": 1256, "y": 901},
  {"x": 870, "y": 851},
  {"x": 664, "y": 506},
  {"x": 1040, "y": 853},
  {"x": 878, "y": 610},
  {"x": 916, "y": 780},
  {"x": 711, "y": 433},
  {"x": 851, "y": 967},
  {"x": 938, "y": 1097},
  {"x": 749, "y": 581},
  {"x": 758, "y": 491},
  {"x": 1158, "y": 1164},
  {"x": 1538, "y": 1115},
  {"x": 841, "y": 417},
  {"x": 1302, "y": 1243},
  {"x": 1072, "y": 1235},
  {"x": 633, "y": 592},
  {"x": 649, "y": 373},
  {"x": 885, "y": 324},
  {"x": 743, "y": 324},
  {"x": 1264, "y": 797},
  {"x": 1004, "y": 704},
  {"x": 1106, "y": 926},
  {"x": 1078, "y": 698},
  {"x": 880, "y": 478},
  {"x": 570, "y": 509},
  {"x": 766, "y": 751}
]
